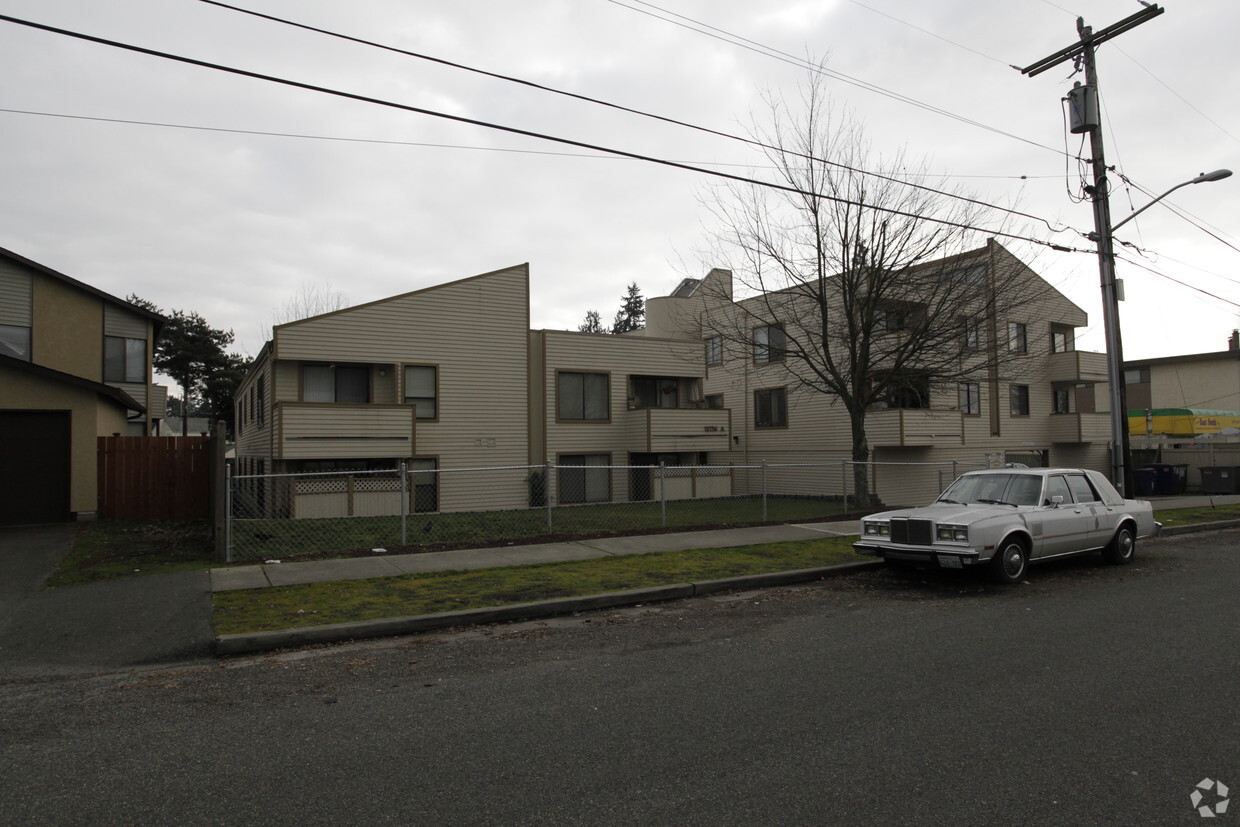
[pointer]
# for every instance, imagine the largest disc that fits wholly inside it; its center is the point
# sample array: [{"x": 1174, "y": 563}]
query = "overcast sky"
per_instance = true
[{"x": 230, "y": 223}]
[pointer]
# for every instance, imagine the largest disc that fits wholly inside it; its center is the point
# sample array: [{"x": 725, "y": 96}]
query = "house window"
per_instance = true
[
  {"x": 422, "y": 390},
  {"x": 1018, "y": 338},
  {"x": 714, "y": 401},
  {"x": 970, "y": 333},
  {"x": 240, "y": 414},
  {"x": 1062, "y": 339},
  {"x": 424, "y": 484},
  {"x": 585, "y": 478},
  {"x": 1136, "y": 376},
  {"x": 582, "y": 397},
  {"x": 770, "y": 408},
  {"x": 1020, "y": 400},
  {"x": 714, "y": 350},
  {"x": 893, "y": 319},
  {"x": 124, "y": 360},
  {"x": 908, "y": 391},
  {"x": 15, "y": 341},
  {"x": 655, "y": 392},
  {"x": 768, "y": 344},
  {"x": 1063, "y": 400},
  {"x": 335, "y": 383},
  {"x": 971, "y": 398},
  {"x": 261, "y": 403}
]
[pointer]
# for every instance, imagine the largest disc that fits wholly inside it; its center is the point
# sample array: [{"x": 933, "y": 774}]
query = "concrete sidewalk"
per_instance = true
[
  {"x": 261, "y": 576},
  {"x": 382, "y": 565}
]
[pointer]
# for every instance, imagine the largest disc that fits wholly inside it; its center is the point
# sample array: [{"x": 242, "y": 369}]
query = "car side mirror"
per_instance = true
[{"x": 1056, "y": 500}]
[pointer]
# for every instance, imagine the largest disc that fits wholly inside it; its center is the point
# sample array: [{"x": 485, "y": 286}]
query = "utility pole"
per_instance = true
[{"x": 1087, "y": 119}]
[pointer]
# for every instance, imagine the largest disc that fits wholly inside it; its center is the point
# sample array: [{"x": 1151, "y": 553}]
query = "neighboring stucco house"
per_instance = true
[
  {"x": 1185, "y": 395},
  {"x": 451, "y": 377},
  {"x": 75, "y": 364}
]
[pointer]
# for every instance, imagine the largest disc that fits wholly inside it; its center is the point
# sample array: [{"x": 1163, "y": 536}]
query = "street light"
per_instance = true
[{"x": 1120, "y": 472}]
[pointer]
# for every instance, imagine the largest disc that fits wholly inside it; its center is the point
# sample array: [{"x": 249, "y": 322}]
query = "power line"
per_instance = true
[
  {"x": 1162, "y": 275},
  {"x": 932, "y": 34},
  {"x": 663, "y": 118},
  {"x": 770, "y": 51},
  {"x": 517, "y": 131},
  {"x": 1185, "y": 100}
]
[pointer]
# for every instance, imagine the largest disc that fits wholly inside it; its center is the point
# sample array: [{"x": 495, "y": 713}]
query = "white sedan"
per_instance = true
[{"x": 1010, "y": 517}]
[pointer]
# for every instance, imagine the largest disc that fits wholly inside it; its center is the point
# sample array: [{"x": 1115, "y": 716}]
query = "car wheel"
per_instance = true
[
  {"x": 1122, "y": 548},
  {"x": 1009, "y": 563}
]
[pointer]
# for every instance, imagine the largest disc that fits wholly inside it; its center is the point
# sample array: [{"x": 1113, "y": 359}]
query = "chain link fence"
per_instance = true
[{"x": 410, "y": 509}]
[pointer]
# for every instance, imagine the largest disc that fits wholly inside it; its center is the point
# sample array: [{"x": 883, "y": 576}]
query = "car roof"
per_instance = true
[{"x": 1041, "y": 472}]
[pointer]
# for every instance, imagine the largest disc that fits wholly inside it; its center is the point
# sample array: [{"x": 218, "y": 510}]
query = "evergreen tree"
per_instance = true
[
  {"x": 632, "y": 312},
  {"x": 593, "y": 323}
]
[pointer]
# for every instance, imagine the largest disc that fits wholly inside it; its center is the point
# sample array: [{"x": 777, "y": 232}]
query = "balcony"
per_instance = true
[
  {"x": 658, "y": 430},
  {"x": 314, "y": 430},
  {"x": 1077, "y": 366},
  {"x": 1080, "y": 427},
  {"x": 913, "y": 427}
]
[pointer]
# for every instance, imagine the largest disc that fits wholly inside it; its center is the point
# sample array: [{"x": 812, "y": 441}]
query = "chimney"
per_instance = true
[{"x": 1233, "y": 344}]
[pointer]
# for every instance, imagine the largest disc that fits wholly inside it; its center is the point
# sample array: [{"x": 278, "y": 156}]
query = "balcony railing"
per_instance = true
[
  {"x": 1077, "y": 366},
  {"x": 913, "y": 427},
  {"x": 1080, "y": 427},
  {"x": 311, "y": 430},
  {"x": 655, "y": 430}
]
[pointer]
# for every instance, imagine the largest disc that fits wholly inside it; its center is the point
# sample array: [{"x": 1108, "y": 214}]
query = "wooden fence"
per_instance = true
[{"x": 154, "y": 477}]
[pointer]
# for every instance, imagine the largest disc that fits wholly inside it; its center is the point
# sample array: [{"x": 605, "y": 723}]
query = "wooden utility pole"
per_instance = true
[{"x": 1082, "y": 52}]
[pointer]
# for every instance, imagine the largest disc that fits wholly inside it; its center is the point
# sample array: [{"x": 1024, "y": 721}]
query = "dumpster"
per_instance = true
[
  {"x": 1143, "y": 480},
  {"x": 1220, "y": 479},
  {"x": 1170, "y": 479}
]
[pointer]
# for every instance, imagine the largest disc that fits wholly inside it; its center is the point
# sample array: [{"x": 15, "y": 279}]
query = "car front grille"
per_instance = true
[{"x": 912, "y": 532}]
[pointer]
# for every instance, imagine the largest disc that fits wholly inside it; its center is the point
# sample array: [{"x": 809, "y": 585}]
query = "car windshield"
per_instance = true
[{"x": 1005, "y": 489}]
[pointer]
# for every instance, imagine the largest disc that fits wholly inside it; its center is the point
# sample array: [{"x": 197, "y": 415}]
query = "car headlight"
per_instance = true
[
  {"x": 877, "y": 528},
  {"x": 953, "y": 533}
]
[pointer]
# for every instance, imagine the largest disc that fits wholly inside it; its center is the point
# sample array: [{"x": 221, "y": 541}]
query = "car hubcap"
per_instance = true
[
  {"x": 1125, "y": 545},
  {"x": 1013, "y": 561}
]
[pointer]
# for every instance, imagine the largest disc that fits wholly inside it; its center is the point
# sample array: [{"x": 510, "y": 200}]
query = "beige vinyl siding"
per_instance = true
[
  {"x": 254, "y": 440},
  {"x": 314, "y": 430},
  {"x": 618, "y": 357},
  {"x": 16, "y": 291},
  {"x": 118, "y": 321},
  {"x": 475, "y": 331}
]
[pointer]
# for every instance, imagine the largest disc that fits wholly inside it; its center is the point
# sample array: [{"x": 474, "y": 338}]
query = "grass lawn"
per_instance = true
[
  {"x": 1202, "y": 514},
  {"x": 313, "y": 604},
  {"x": 108, "y": 549}
]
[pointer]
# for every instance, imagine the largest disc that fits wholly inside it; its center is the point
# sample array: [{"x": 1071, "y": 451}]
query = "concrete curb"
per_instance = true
[
  {"x": 249, "y": 643},
  {"x": 1171, "y": 531}
]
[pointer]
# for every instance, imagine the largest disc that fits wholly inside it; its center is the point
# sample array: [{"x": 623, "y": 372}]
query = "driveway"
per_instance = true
[{"x": 121, "y": 624}]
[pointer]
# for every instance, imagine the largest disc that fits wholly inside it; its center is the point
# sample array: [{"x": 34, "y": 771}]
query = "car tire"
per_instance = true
[
  {"x": 1122, "y": 548},
  {"x": 1010, "y": 561}
]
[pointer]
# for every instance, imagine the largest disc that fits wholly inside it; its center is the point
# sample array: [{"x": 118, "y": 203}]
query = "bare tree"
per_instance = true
[
  {"x": 857, "y": 285},
  {"x": 311, "y": 299}
]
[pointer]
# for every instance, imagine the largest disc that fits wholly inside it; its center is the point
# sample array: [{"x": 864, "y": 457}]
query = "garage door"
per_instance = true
[{"x": 34, "y": 476}]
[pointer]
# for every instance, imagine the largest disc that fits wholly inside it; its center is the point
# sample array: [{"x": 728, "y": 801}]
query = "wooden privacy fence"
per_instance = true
[{"x": 154, "y": 477}]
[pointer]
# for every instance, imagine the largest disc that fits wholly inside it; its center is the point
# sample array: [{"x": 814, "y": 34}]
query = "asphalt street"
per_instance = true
[{"x": 1088, "y": 695}]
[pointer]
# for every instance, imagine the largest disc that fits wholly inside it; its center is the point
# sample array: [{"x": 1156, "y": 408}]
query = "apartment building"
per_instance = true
[
  {"x": 75, "y": 364},
  {"x": 452, "y": 377},
  {"x": 1198, "y": 393}
]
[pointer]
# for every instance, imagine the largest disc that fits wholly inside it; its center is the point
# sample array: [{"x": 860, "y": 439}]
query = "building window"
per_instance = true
[
  {"x": 335, "y": 383},
  {"x": 15, "y": 341},
  {"x": 714, "y": 350},
  {"x": 893, "y": 319},
  {"x": 124, "y": 360},
  {"x": 768, "y": 344},
  {"x": 1020, "y": 400},
  {"x": 1062, "y": 339},
  {"x": 770, "y": 408},
  {"x": 585, "y": 478},
  {"x": 1136, "y": 376},
  {"x": 261, "y": 401},
  {"x": 1063, "y": 400},
  {"x": 1018, "y": 338},
  {"x": 422, "y": 390},
  {"x": 582, "y": 397},
  {"x": 970, "y": 333},
  {"x": 971, "y": 398},
  {"x": 424, "y": 484},
  {"x": 714, "y": 401},
  {"x": 910, "y": 391}
]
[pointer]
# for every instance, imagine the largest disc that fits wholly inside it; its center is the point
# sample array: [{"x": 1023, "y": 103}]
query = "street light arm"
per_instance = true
[{"x": 1217, "y": 175}]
